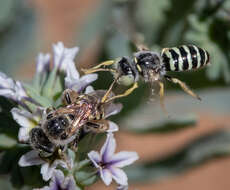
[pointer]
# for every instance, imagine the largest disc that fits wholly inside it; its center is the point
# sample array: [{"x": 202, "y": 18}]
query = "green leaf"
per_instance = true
[
  {"x": 42, "y": 100},
  {"x": 85, "y": 178},
  {"x": 8, "y": 124},
  {"x": 6, "y": 141},
  {"x": 117, "y": 46},
  {"x": 48, "y": 89},
  {"x": 19, "y": 176},
  {"x": 18, "y": 39},
  {"x": 6, "y": 12},
  {"x": 89, "y": 181},
  {"x": 175, "y": 23},
  {"x": 150, "y": 16},
  {"x": 202, "y": 149},
  {"x": 219, "y": 58},
  {"x": 5, "y": 183},
  {"x": 83, "y": 163}
]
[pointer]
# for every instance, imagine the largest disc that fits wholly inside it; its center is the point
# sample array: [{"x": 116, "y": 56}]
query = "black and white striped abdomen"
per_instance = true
[{"x": 185, "y": 57}]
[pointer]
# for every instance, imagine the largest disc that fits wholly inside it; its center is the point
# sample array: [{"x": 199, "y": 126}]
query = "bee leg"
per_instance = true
[
  {"x": 104, "y": 98},
  {"x": 69, "y": 96},
  {"x": 89, "y": 71},
  {"x": 183, "y": 86},
  {"x": 126, "y": 93},
  {"x": 98, "y": 67},
  {"x": 74, "y": 145},
  {"x": 98, "y": 126},
  {"x": 161, "y": 94}
]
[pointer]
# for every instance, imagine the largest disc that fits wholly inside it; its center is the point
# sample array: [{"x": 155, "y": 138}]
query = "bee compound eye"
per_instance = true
[
  {"x": 56, "y": 126},
  {"x": 63, "y": 121},
  {"x": 64, "y": 136},
  {"x": 49, "y": 116},
  {"x": 71, "y": 116}
]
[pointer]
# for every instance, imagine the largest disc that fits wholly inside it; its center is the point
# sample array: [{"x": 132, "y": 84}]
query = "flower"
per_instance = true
[
  {"x": 59, "y": 182},
  {"x": 122, "y": 187},
  {"x": 108, "y": 163},
  {"x": 43, "y": 62},
  {"x": 27, "y": 121},
  {"x": 48, "y": 168},
  {"x": 74, "y": 81},
  {"x": 63, "y": 55},
  {"x": 11, "y": 89}
]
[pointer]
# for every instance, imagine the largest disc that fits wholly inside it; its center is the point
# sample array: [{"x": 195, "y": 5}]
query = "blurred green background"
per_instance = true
[{"x": 171, "y": 149}]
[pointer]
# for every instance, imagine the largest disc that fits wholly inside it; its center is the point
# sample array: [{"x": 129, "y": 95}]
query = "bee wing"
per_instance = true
[{"x": 99, "y": 94}]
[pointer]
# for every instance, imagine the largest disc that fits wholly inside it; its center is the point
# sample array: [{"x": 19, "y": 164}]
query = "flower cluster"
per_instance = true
[{"x": 33, "y": 101}]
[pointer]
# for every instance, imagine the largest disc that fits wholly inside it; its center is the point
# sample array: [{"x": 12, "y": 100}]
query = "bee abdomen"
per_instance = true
[{"x": 184, "y": 58}]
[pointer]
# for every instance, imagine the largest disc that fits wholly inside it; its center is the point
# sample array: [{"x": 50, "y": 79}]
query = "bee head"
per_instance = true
[
  {"x": 148, "y": 64},
  {"x": 56, "y": 127},
  {"x": 126, "y": 72},
  {"x": 147, "y": 60}
]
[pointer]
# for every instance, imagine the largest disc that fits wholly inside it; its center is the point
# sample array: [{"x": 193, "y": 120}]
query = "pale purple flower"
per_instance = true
[
  {"x": 63, "y": 56},
  {"x": 59, "y": 182},
  {"x": 122, "y": 187},
  {"x": 27, "y": 121},
  {"x": 11, "y": 89},
  {"x": 43, "y": 63},
  {"x": 109, "y": 163},
  {"x": 47, "y": 168},
  {"x": 73, "y": 79}
]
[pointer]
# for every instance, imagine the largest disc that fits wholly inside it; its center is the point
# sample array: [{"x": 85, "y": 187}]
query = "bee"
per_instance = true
[
  {"x": 152, "y": 67},
  {"x": 63, "y": 126}
]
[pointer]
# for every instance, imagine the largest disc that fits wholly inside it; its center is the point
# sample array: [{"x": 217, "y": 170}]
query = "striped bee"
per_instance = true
[
  {"x": 152, "y": 67},
  {"x": 184, "y": 58}
]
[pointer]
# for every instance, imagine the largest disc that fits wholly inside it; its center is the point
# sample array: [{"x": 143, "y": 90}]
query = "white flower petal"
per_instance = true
[
  {"x": 70, "y": 183},
  {"x": 95, "y": 158},
  {"x": 8, "y": 93},
  {"x": 82, "y": 83},
  {"x": 62, "y": 163},
  {"x": 123, "y": 158},
  {"x": 6, "y": 82},
  {"x": 47, "y": 171},
  {"x": 62, "y": 55},
  {"x": 89, "y": 89},
  {"x": 106, "y": 176},
  {"x": 43, "y": 61},
  {"x": 122, "y": 187},
  {"x": 11, "y": 89},
  {"x": 71, "y": 72},
  {"x": 119, "y": 176},
  {"x": 113, "y": 127},
  {"x": 112, "y": 109},
  {"x": 23, "y": 118},
  {"x": 23, "y": 134},
  {"x": 89, "y": 78},
  {"x": 30, "y": 158},
  {"x": 108, "y": 148},
  {"x": 20, "y": 91},
  {"x": 57, "y": 179}
]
